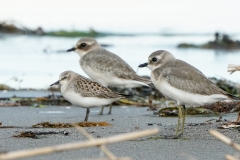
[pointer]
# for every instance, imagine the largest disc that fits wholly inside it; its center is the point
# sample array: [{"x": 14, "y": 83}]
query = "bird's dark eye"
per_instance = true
[
  {"x": 154, "y": 59},
  {"x": 83, "y": 44},
  {"x": 64, "y": 78}
]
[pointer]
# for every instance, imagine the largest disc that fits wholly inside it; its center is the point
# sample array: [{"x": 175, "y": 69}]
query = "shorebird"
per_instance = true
[
  {"x": 106, "y": 67},
  {"x": 85, "y": 93},
  {"x": 185, "y": 84}
]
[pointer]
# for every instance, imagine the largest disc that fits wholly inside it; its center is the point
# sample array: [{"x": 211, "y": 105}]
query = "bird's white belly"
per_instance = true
[
  {"x": 108, "y": 79},
  {"x": 87, "y": 102},
  {"x": 186, "y": 98}
]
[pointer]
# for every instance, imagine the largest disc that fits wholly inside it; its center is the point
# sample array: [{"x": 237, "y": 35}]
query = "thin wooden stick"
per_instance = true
[
  {"x": 225, "y": 139},
  {"x": 78, "y": 145},
  {"x": 123, "y": 158},
  {"x": 238, "y": 118},
  {"x": 232, "y": 68},
  {"x": 230, "y": 157},
  {"x": 103, "y": 148}
]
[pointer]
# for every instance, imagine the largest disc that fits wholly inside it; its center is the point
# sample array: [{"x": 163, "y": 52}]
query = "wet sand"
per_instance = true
[{"x": 196, "y": 141}]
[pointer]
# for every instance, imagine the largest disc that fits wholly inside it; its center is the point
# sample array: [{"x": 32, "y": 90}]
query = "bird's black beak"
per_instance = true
[
  {"x": 143, "y": 65},
  {"x": 71, "y": 49},
  {"x": 56, "y": 83}
]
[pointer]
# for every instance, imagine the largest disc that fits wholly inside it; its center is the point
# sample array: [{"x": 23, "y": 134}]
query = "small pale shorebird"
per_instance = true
[
  {"x": 185, "y": 84},
  {"x": 85, "y": 93},
  {"x": 106, "y": 67}
]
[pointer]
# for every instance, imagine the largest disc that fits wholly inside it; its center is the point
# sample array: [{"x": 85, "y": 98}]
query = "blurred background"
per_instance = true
[{"x": 34, "y": 35}]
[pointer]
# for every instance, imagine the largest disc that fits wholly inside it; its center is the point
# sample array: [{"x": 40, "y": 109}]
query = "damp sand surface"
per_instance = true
[{"x": 196, "y": 142}]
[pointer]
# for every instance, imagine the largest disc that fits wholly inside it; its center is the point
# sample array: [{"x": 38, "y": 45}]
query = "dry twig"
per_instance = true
[
  {"x": 103, "y": 148},
  {"x": 230, "y": 157},
  {"x": 123, "y": 158},
  {"x": 232, "y": 68},
  {"x": 225, "y": 139}
]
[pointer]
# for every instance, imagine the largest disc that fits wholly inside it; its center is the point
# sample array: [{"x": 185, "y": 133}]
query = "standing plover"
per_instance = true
[
  {"x": 185, "y": 84},
  {"x": 83, "y": 92},
  {"x": 105, "y": 67}
]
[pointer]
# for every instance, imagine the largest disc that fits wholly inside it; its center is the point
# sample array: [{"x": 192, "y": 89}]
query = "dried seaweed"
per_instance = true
[
  {"x": 224, "y": 106},
  {"x": 68, "y": 125},
  {"x": 31, "y": 134}
]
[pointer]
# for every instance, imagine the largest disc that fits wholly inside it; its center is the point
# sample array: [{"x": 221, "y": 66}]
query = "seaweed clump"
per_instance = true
[{"x": 69, "y": 125}]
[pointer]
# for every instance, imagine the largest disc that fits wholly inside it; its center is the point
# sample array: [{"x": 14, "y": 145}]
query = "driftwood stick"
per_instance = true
[
  {"x": 77, "y": 145},
  {"x": 123, "y": 158},
  {"x": 232, "y": 68},
  {"x": 230, "y": 157},
  {"x": 225, "y": 139},
  {"x": 238, "y": 118},
  {"x": 103, "y": 148}
]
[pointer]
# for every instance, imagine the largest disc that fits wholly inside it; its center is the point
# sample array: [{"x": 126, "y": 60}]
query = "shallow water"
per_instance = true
[{"x": 25, "y": 64}]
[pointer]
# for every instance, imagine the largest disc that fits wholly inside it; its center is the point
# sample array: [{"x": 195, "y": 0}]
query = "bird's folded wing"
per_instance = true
[
  {"x": 190, "y": 80},
  {"x": 104, "y": 61},
  {"x": 93, "y": 89}
]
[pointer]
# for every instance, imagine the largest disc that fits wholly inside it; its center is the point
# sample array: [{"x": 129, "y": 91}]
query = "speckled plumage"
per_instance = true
[
  {"x": 86, "y": 87},
  {"x": 83, "y": 92}
]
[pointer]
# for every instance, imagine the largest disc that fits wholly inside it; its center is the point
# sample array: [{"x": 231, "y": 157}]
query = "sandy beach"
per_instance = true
[{"x": 195, "y": 143}]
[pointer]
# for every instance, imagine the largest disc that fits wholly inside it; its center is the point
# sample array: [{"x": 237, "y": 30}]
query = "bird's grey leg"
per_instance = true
[
  {"x": 87, "y": 113},
  {"x": 101, "y": 112},
  {"x": 110, "y": 109},
  {"x": 184, "y": 112}
]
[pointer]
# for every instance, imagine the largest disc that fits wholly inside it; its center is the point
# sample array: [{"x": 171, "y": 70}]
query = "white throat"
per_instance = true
[
  {"x": 152, "y": 67},
  {"x": 81, "y": 53}
]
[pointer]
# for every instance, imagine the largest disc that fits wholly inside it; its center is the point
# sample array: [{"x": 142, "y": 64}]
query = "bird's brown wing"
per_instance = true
[
  {"x": 88, "y": 88},
  {"x": 103, "y": 61}
]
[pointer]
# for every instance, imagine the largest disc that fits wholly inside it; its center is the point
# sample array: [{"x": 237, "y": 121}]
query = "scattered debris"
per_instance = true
[
  {"x": 173, "y": 111},
  {"x": 136, "y": 127},
  {"x": 34, "y": 101},
  {"x": 78, "y": 145},
  {"x": 197, "y": 124},
  {"x": 9, "y": 104},
  {"x": 227, "y": 107},
  {"x": 35, "y": 135},
  {"x": 227, "y": 125},
  {"x": 233, "y": 68},
  {"x": 68, "y": 125},
  {"x": 151, "y": 124},
  {"x": 9, "y": 127},
  {"x": 216, "y": 120},
  {"x": 130, "y": 102}
]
